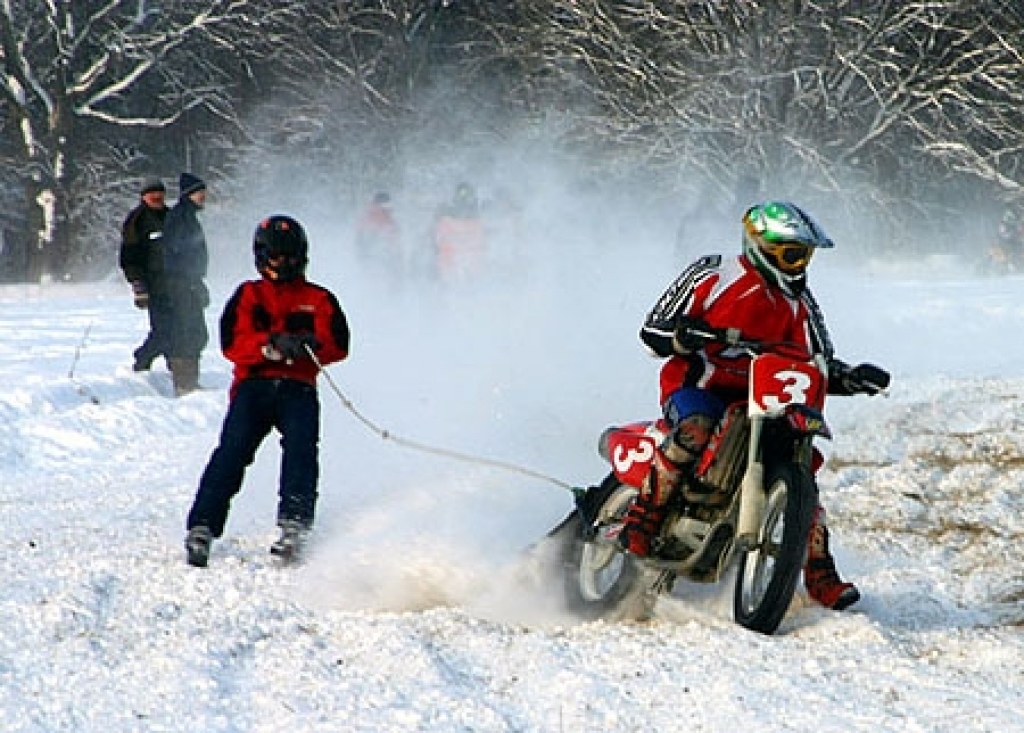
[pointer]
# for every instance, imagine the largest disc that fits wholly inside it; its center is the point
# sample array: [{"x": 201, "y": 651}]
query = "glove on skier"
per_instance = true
[
  {"x": 140, "y": 294},
  {"x": 289, "y": 346}
]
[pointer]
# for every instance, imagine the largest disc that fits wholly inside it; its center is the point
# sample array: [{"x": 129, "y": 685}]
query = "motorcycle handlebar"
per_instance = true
[{"x": 733, "y": 337}]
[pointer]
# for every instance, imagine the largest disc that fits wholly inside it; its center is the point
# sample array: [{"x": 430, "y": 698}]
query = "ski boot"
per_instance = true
[
  {"x": 197, "y": 546},
  {"x": 292, "y": 542}
]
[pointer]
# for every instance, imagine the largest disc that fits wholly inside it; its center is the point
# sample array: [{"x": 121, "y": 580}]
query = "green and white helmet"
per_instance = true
[{"x": 779, "y": 239}]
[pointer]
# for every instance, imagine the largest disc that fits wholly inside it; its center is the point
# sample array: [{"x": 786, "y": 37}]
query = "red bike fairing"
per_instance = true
[
  {"x": 631, "y": 449},
  {"x": 727, "y": 293},
  {"x": 261, "y": 307}
]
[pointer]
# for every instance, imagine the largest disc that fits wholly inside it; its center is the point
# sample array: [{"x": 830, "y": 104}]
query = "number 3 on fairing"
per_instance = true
[
  {"x": 624, "y": 458},
  {"x": 794, "y": 385}
]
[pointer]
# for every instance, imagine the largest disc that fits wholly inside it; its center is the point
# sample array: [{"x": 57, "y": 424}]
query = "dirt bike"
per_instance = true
[{"x": 748, "y": 501}]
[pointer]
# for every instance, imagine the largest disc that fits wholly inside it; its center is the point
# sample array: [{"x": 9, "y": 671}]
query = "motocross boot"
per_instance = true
[
  {"x": 820, "y": 576},
  {"x": 645, "y": 515},
  {"x": 640, "y": 525}
]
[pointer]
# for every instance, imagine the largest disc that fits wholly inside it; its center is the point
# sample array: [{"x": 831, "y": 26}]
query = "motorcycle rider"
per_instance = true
[{"x": 763, "y": 293}]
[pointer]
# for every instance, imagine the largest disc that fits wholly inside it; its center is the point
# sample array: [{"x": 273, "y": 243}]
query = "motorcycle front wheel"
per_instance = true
[
  {"x": 601, "y": 580},
  {"x": 768, "y": 573}
]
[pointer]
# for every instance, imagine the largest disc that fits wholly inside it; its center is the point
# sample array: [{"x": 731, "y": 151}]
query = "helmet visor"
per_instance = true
[
  {"x": 791, "y": 258},
  {"x": 282, "y": 267}
]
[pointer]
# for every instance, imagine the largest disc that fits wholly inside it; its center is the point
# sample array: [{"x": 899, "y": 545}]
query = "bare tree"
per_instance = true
[
  {"x": 883, "y": 102},
  {"x": 384, "y": 79},
  {"x": 897, "y": 94},
  {"x": 80, "y": 75}
]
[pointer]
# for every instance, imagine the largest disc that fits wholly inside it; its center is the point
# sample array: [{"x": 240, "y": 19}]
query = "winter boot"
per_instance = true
[
  {"x": 184, "y": 375},
  {"x": 292, "y": 542},
  {"x": 820, "y": 576},
  {"x": 197, "y": 546}
]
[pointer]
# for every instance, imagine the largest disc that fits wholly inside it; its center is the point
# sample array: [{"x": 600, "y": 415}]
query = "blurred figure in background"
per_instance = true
[
  {"x": 377, "y": 235},
  {"x": 141, "y": 260},
  {"x": 377, "y": 231},
  {"x": 185, "y": 261},
  {"x": 458, "y": 235}
]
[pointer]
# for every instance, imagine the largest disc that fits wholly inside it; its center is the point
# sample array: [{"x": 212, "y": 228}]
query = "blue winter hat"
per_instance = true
[{"x": 190, "y": 183}]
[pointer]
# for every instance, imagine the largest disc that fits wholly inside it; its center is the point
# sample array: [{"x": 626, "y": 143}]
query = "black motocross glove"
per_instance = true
[
  {"x": 692, "y": 334},
  {"x": 865, "y": 379},
  {"x": 290, "y": 346}
]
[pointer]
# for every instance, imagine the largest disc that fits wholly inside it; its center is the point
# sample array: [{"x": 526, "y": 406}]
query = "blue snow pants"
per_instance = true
[{"x": 293, "y": 408}]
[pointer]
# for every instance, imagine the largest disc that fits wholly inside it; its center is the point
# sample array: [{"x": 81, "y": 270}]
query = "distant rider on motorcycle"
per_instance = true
[{"x": 763, "y": 293}]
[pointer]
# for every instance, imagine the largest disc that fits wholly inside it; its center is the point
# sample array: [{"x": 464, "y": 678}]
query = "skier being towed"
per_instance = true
[{"x": 267, "y": 330}]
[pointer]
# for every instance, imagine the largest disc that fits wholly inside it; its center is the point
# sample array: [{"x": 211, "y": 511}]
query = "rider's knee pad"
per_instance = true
[{"x": 692, "y": 414}]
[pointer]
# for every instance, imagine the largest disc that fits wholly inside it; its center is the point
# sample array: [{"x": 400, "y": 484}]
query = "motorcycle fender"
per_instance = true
[{"x": 631, "y": 450}]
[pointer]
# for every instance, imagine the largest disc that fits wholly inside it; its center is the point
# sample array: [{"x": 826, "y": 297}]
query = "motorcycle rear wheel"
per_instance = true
[
  {"x": 767, "y": 574},
  {"x": 602, "y": 581}
]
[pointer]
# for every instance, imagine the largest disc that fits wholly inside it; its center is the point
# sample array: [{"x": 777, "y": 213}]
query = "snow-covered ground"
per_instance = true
[{"x": 417, "y": 610}]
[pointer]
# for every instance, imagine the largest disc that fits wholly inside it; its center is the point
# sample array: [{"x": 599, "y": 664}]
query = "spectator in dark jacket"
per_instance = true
[
  {"x": 185, "y": 260},
  {"x": 141, "y": 260}
]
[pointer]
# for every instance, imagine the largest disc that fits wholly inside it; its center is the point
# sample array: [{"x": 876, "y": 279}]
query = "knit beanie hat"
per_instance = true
[
  {"x": 151, "y": 185},
  {"x": 189, "y": 183}
]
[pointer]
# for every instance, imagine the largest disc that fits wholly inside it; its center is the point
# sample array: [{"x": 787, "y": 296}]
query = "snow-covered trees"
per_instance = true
[
  {"x": 887, "y": 103},
  {"x": 80, "y": 79}
]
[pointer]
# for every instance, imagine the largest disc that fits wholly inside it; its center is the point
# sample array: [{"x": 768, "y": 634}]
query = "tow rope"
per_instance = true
[{"x": 385, "y": 434}]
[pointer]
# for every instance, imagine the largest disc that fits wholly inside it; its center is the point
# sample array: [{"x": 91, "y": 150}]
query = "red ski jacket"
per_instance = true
[{"x": 260, "y": 308}]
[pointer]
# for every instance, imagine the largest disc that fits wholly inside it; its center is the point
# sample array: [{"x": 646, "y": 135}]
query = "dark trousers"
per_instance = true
[
  {"x": 158, "y": 340},
  {"x": 293, "y": 408},
  {"x": 187, "y": 330}
]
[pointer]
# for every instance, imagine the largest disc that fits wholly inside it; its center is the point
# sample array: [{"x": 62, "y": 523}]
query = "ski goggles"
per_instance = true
[{"x": 790, "y": 257}]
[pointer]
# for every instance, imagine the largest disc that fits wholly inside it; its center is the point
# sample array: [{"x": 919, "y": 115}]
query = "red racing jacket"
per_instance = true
[
  {"x": 729, "y": 293},
  {"x": 259, "y": 308}
]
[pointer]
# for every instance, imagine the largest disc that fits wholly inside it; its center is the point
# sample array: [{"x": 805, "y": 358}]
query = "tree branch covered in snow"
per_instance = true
[
  {"x": 875, "y": 103},
  {"x": 78, "y": 75}
]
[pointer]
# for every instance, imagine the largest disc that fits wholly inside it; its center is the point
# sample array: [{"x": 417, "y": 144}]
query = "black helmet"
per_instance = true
[{"x": 281, "y": 248}]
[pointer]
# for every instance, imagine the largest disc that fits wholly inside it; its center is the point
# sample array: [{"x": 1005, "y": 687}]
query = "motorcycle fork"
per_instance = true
[{"x": 752, "y": 498}]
